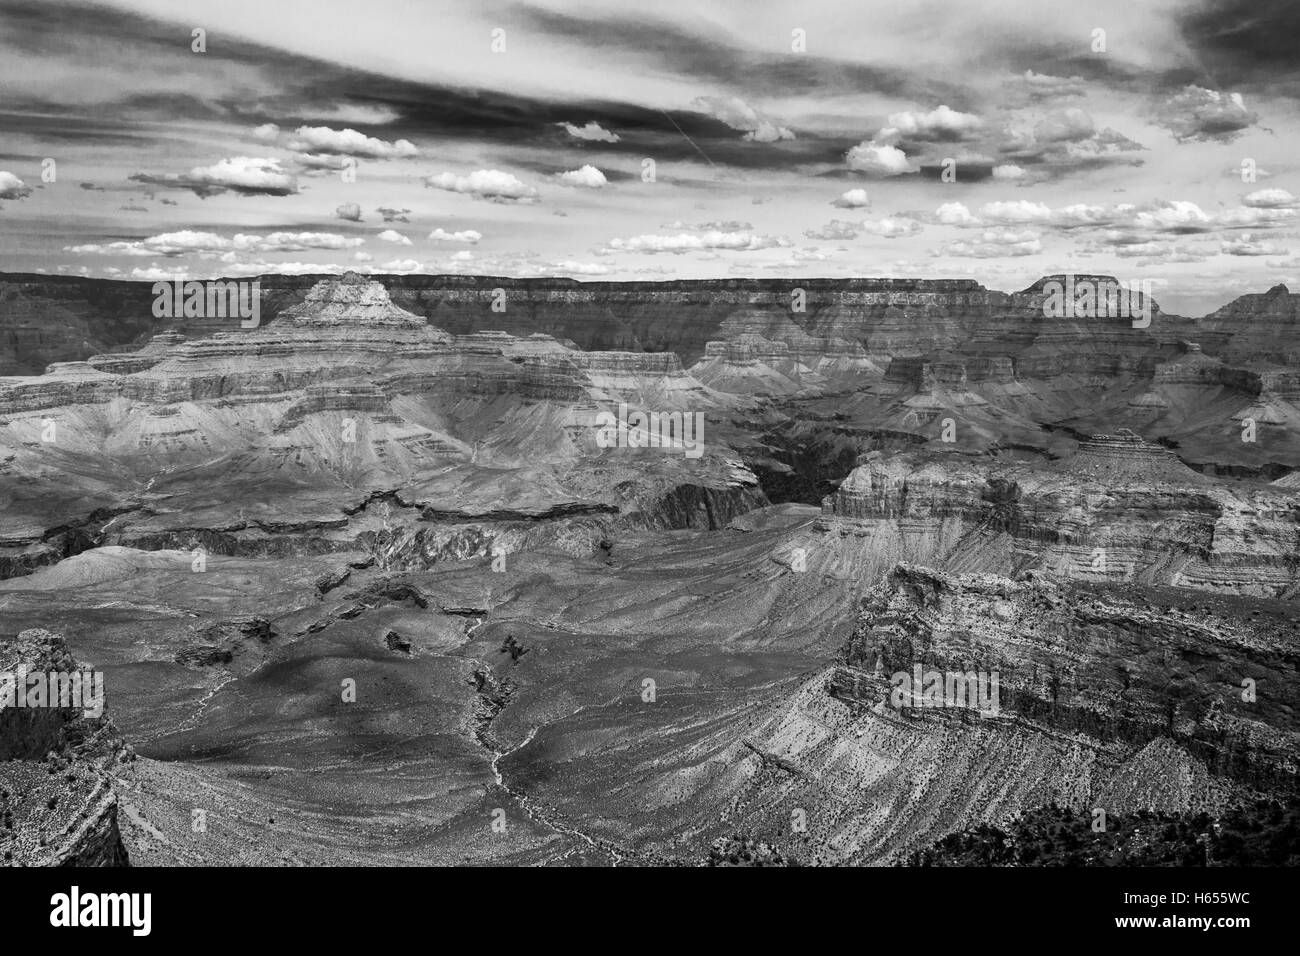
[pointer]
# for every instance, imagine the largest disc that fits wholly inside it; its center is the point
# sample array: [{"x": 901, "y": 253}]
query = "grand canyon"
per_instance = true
[
  {"x": 365, "y": 586},
  {"x": 853, "y": 437}
]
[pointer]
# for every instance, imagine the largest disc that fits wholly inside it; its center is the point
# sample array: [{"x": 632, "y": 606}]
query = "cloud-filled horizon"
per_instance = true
[{"x": 996, "y": 140}]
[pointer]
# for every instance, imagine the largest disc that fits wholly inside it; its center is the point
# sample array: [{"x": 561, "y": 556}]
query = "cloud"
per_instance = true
[
  {"x": 954, "y": 214},
  {"x": 1247, "y": 245},
  {"x": 687, "y": 242},
  {"x": 1270, "y": 199},
  {"x": 586, "y": 177},
  {"x": 349, "y": 211},
  {"x": 939, "y": 125},
  {"x": 392, "y": 235},
  {"x": 833, "y": 230},
  {"x": 1200, "y": 115},
  {"x": 1173, "y": 216},
  {"x": 715, "y": 225},
  {"x": 1043, "y": 86},
  {"x": 1255, "y": 217},
  {"x": 739, "y": 115},
  {"x": 1083, "y": 215},
  {"x": 1015, "y": 212},
  {"x": 191, "y": 242},
  {"x": 853, "y": 199},
  {"x": 11, "y": 187},
  {"x": 402, "y": 265},
  {"x": 246, "y": 175},
  {"x": 394, "y": 215},
  {"x": 998, "y": 243},
  {"x": 878, "y": 159},
  {"x": 348, "y": 142},
  {"x": 892, "y": 227},
  {"x": 266, "y": 132},
  {"x": 470, "y": 236},
  {"x": 593, "y": 132},
  {"x": 490, "y": 184},
  {"x": 1064, "y": 126},
  {"x": 1008, "y": 173}
]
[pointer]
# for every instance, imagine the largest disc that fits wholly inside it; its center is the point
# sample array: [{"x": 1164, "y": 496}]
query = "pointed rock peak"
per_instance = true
[
  {"x": 1279, "y": 289},
  {"x": 350, "y": 299}
]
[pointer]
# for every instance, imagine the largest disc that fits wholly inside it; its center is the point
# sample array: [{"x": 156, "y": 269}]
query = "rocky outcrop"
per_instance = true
[
  {"x": 1120, "y": 509},
  {"x": 1123, "y": 668},
  {"x": 57, "y": 806}
]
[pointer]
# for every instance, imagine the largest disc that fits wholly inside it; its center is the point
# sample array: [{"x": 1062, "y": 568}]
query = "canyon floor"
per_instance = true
[{"x": 368, "y": 586}]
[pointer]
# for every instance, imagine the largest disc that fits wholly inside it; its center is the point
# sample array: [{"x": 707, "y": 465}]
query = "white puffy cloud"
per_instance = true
[
  {"x": 1008, "y": 173},
  {"x": 954, "y": 214},
  {"x": 1178, "y": 215},
  {"x": 1270, "y": 199},
  {"x": 593, "y": 132},
  {"x": 267, "y": 131},
  {"x": 878, "y": 159},
  {"x": 768, "y": 132},
  {"x": 941, "y": 123},
  {"x": 11, "y": 187},
  {"x": 585, "y": 177},
  {"x": 490, "y": 184},
  {"x": 392, "y": 235},
  {"x": 348, "y": 142},
  {"x": 852, "y": 199},
  {"x": 250, "y": 175},
  {"x": 349, "y": 211},
  {"x": 470, "y": 236}
]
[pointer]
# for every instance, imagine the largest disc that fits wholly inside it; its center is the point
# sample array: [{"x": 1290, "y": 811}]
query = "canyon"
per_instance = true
[{"x": 367, "y": 587}]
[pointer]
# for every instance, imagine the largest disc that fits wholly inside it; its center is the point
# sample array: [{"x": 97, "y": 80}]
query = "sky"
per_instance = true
[{"x": 999, "y": 140}]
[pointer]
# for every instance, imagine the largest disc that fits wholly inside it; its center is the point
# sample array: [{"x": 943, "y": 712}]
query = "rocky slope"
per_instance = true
[{"x": 57, "y": 802}]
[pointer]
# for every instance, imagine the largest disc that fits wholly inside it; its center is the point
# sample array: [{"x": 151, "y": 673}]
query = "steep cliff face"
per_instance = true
[
  {"x": 1118, "y": 510},
  {"x": 57, "y": 806},
  {"x": 1122, "y": 666},
  {"x": 885, "y": 317}
]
